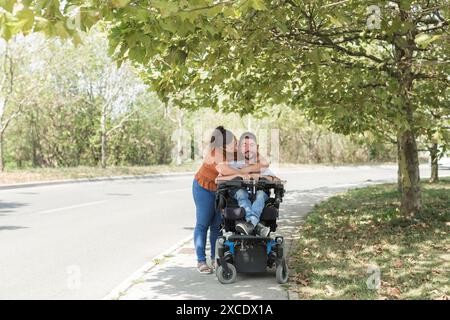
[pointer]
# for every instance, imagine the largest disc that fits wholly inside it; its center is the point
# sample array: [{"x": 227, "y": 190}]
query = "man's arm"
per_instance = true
[
  {"x": 225, "y": 170},
  {"x": 257, "y": 176},
  {"x": 231, "y": 177},
  {"x": 223, "y": 167},
  {"x": 271, "y": 178},
  {"x": 257, "y": 167}
]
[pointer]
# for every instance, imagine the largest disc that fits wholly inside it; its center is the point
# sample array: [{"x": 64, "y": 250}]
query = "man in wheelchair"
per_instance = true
[
  {"x": 249, "y": 206},
  {"x": 253, "y": 204}
]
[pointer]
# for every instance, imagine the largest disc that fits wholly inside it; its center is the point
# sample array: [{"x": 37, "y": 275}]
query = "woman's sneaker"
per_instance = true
[
  {"x": 244, "y": 227},
  {"x": 262, "y": 230}
]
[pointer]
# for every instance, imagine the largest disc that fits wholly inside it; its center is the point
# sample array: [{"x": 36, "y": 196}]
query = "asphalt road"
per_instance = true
[{"x": 79, "y": 241}]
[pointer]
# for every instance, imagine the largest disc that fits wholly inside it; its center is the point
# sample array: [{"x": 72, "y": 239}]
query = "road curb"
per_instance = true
[
  {"x": 117, "y": 292},
  {"x": 99, "y": 179}
]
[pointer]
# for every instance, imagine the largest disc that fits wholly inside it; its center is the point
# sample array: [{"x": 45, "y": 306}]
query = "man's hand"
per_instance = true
[
  {"x": 271, "y": 178},
  {"x": 255, "y": 176}
]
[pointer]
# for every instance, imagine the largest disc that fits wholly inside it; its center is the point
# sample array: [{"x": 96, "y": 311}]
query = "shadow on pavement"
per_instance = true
[
  {"x": 179, "y": 280},
  {"x": 8, "y": 207},
  {"x": 11, "y": 228},
  {"x": 176, "y": 278}
]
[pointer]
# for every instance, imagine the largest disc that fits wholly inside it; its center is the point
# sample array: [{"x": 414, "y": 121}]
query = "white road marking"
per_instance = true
[{"x": 71, "y": 207}]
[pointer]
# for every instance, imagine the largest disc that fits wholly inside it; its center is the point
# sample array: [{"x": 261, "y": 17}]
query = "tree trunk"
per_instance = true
[
  {"x": 180, "y": 142},
  {"x": 103, "y": 140},
  {"x": 434, "y": 151},
  {"x": 411, "y": 202},
  {"x": 399, "y": 170},
  {"x": 410, "y": 178},
  {"x": 33, "y": 138},
  {"x": 103, "y": 151},
  {"x": 2, "y": 154}
]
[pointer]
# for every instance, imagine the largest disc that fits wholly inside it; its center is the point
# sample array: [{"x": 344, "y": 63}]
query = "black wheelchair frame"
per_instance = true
[{"x": 237, "y": 253}]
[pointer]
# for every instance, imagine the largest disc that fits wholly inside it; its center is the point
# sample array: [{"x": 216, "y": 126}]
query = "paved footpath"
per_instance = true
[{"x": 173, "y": 275}]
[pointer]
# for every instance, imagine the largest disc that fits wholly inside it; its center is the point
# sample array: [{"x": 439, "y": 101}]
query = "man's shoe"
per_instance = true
[
  {"x": 244, "y": 227},
  {"x": 262, "y": 230}
]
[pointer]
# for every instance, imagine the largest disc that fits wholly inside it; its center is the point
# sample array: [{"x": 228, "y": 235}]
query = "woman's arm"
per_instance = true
[
  {"x": 256, "y": 167},
  {"x": 225, "y": 170},
  {"x": 222, "y": 165},
  {"x": 226, "y": 178}
]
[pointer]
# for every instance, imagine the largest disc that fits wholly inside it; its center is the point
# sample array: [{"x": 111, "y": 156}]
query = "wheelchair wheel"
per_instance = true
[
  {"x": 226, "y": 277},
  {"x": 282, "y": 273}
]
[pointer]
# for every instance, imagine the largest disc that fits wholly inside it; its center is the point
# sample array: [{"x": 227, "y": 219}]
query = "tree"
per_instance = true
[
  {"x": 434, "y": 113},
  {"x": 114, "y": 89},
  {"x": 12, "y": 74},
  {"x": 6, "y": 86},
  {"x": 61, "y": 90},
  {"x": 349, "y": 64}
]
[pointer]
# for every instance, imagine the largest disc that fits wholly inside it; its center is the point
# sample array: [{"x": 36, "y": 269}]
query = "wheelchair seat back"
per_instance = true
[{"x": 231, "y": 212}]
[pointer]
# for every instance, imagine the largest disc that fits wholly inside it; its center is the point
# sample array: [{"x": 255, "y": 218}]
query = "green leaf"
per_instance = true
[
  {"x": 137, "y": 54},
  {"x": 165, "y": 7},
  {"x": 336, "y": 21},
  {"x": 132, "y": 39},
  {"x": 42, "y": 24},
  {"x": 5, "y": 30},
  {"x": 258, "y": 5},
  {"x": 120, "y": 3},
  {"x": 61, "y": 30},
  {"x": 8, "y": 5},
  {"x": 424, "y": 40},
  {"x": 25, "y": 19}
]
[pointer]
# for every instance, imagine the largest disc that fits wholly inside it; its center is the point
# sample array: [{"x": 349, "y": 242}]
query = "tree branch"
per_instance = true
[{"x": 121, "y": 123}]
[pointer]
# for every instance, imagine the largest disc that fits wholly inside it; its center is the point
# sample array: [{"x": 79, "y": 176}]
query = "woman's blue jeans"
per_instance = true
[{"x": 207, "y": 217}]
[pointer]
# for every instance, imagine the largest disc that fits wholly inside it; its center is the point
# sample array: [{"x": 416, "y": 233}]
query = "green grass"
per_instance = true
[{"x": 345, "y": 235}]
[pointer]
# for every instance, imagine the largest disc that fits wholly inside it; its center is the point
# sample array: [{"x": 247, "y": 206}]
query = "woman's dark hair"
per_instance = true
[{"x": 220, "y": 138}]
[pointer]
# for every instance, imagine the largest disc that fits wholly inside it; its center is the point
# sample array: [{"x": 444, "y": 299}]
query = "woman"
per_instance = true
[{"x": 222, "y": 148}]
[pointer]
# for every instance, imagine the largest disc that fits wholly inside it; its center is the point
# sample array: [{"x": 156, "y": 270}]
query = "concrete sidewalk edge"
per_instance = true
[{"x": 99, "y": 179}]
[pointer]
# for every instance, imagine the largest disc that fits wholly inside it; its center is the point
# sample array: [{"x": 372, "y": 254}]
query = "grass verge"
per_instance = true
[{"x": 355, "y": 246}]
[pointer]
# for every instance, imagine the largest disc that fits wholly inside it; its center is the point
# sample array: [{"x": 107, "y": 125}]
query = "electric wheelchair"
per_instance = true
[{"x": 237, "y": 253}]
